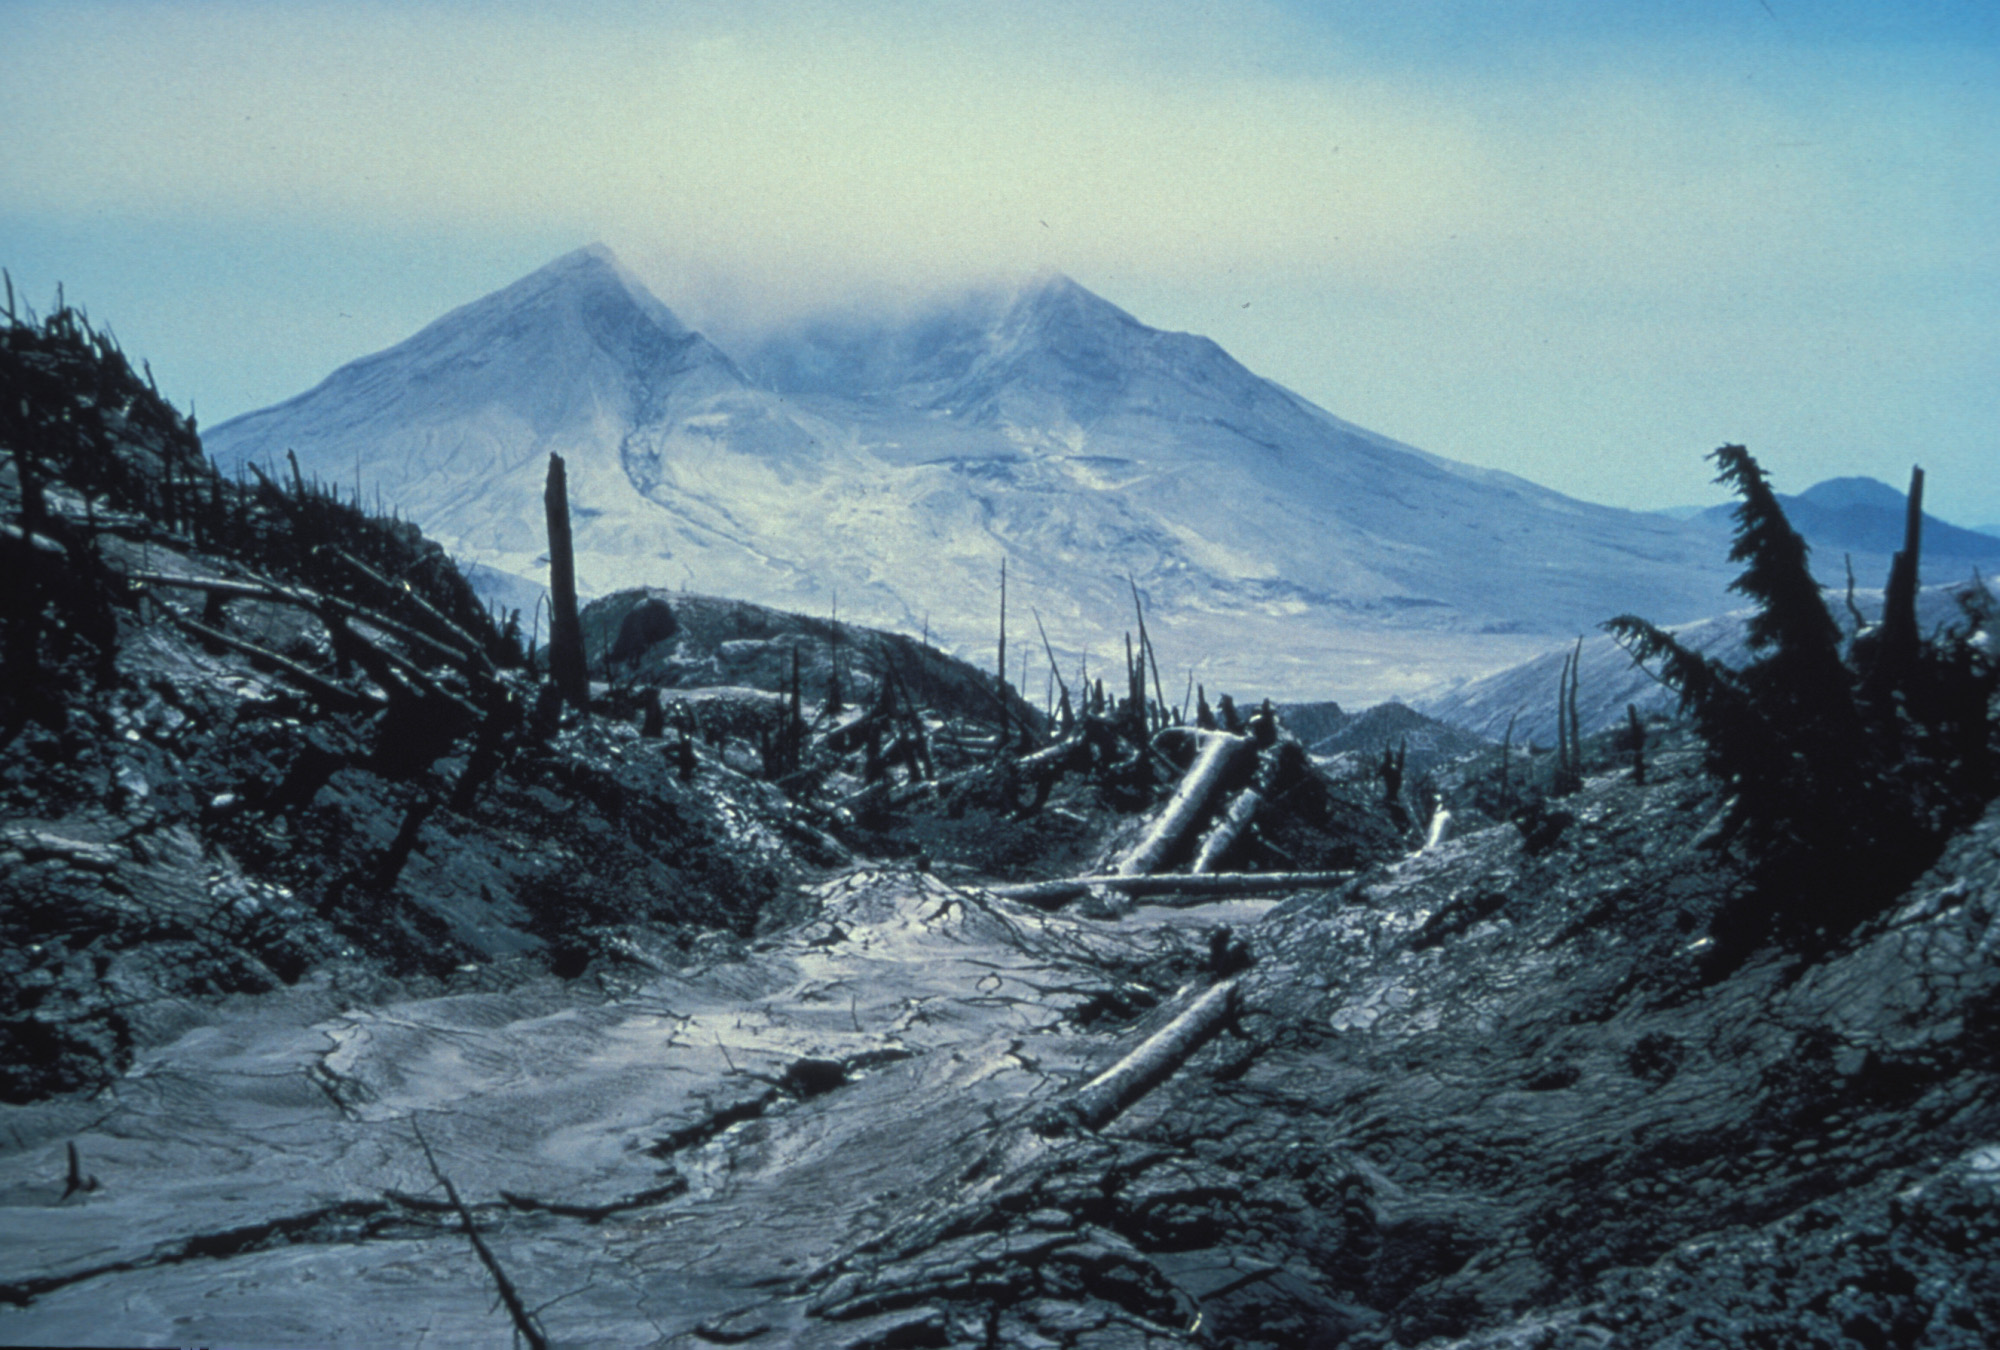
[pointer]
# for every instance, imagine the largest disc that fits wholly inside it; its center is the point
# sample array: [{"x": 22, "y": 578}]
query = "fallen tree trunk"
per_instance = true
[
  {"x": 1226, "y": 831},
  {"x": 330, "y": 695},
  {"x": 1218, "y": 760},
  {"x": 1100, "y": 1100},
  {"x": 1279, "y": 765},
  {"x": 1170, "y": 888},
  {"x": 326, "y": 607}
]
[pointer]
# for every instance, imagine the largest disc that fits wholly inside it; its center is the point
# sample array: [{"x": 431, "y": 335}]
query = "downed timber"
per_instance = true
[
  {"x": 468, "y": 646},
  {"x": 1219, "y": 840},
  {"x": 1218, "y": 759},
  {"x": 1169, "y": 888},
  {"x": 396, "y": 674},
  {"x": 1278, "y": 765},
  {"x": 329, "y": 694},
  {"x": 319, "y": 604},
  {"x": 1100, "y": 1100}
]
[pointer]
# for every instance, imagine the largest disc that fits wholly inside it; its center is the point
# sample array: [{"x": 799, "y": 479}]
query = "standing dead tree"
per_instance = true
[
  {"x": 566, "y": 659},
  {"x": 1897, "y": 641},
  {"x": 1147, "y": 657},
  {"x": 1568, "y": 776},
  {"x": 1065, "y": 711},
  {"x": 1000, "y": 666}
]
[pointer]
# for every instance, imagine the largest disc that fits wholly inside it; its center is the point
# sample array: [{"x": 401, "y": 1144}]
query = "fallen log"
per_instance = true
[
  {"x": 330, "y": 695},
  {"x": 326, "y": 607},
  {"x": 468, "y": 646},
  {"x": 1099, "y": 1101},
  {"x": 1279, "y": 764},
  {"x": 524, "y": 1321},
  {"x": 1226, "y": 831},
  {"x": 1218, "y": 760},
  {"x": 1169, "y": 888}
]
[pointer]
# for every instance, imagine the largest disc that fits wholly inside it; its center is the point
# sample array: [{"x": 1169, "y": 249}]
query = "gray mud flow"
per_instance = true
[{"x": 1481, "y": 1097}]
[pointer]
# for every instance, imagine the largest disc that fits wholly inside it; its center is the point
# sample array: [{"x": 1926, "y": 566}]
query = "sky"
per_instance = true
[{"x": 1585, "y": 241}]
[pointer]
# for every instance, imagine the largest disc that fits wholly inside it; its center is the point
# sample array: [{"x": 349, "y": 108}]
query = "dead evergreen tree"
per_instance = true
[
  {"x": 566, "y": 659},
  {"x": 1840, "y": 796}
]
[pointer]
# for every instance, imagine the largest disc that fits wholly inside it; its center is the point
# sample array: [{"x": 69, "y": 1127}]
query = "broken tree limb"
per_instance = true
[
  {"x": 468, "y": 645},
  {"x": 1219, "y": 758},
  {"x": 524, "y": 1321},
  {"x": 1170, "y": 888},
  {"x": 1100, "y": 1100}
]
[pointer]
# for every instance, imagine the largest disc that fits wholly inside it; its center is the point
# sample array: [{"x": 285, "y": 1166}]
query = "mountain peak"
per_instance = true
[
  {"x": 1837, "y": 494},
  {"x": 576, "y": 341},
  {"x": 591, "y": 275},
  {"x": 1053, "y": 299}
]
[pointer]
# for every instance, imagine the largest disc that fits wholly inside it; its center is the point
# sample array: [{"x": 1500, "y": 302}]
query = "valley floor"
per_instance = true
[{"x": 1482, "y": 1096}]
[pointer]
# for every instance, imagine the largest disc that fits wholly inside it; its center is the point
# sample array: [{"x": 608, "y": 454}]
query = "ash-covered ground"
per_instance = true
[{"x": 799, "y": 991}]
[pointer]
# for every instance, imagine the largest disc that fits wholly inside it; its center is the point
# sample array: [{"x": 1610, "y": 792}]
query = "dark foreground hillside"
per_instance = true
[{"x": 357, "y": 993}]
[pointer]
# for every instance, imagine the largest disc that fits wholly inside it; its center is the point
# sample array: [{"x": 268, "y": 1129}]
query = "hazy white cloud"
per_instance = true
[
  {"x": 868, "y": 149},
  {"x": 1575, "y": 211}
]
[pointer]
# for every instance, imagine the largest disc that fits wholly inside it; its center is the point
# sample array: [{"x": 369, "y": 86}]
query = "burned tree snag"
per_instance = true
[
  {"x": 1000, "y": 666},
  {"x": 1135, "y": 690},
  {"x": 1146, "y": 656},
  {"x": 1232, "y": 721},
  {"x": 1568, "y": 776},
  {"x": 1635, "y": 739},
  {"x": 398, "y": 855},
  {"x": 1896, "y": 644},
  {"x": 1390, "y": 771},
  {"x": 1067, "y": 712},
  {"x": 566, "y": 661}
]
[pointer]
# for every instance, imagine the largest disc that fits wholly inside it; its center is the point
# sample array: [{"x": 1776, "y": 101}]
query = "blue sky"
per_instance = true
[{"x": 1585, "y": 242}]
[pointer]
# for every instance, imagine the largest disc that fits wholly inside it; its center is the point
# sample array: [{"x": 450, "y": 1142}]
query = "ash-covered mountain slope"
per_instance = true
[{"x": 893, "y": 464}]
